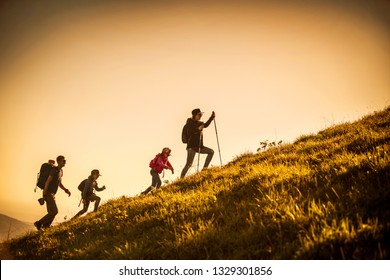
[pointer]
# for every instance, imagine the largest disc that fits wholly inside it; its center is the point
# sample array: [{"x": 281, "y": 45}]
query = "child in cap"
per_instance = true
[{"x": 88, "y": 192}]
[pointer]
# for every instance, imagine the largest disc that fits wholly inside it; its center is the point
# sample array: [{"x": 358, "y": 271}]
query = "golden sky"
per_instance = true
[{"x": 108, "y": 86}]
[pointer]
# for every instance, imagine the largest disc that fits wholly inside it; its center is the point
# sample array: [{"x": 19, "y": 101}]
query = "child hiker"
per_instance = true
[
  {"x": 157, "y": 165},
  {"x": 88, "y": 188}
]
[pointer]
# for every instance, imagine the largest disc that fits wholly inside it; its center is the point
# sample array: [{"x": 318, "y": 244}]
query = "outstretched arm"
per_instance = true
[
  {"x": 206, "y": 124},
  {"x": 170, "y": 167},
  {"x": 100, "y": 189}
]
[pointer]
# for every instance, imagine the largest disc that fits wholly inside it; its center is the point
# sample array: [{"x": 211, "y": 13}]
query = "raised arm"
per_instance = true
[{"x": 206, "y": 124}]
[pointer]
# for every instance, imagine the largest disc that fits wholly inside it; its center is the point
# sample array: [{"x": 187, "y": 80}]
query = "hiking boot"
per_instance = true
[
  {"x": 38, "y": 225},
  {"x": 41, "y": 201}
]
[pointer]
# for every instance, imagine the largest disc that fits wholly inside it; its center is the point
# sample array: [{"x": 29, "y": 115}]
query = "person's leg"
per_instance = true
[
  {"x": 84, "y": 210},
  {"x": 190, "y": 158},
  {"x": 210, "y": 154},
  {"x": 95, "y": 198},
  {"x": 156, "y": 179},
  {"x": 147, "y": 190},
  {"x": 153, "y": 183},
  {"x": 52, "y": 211}
]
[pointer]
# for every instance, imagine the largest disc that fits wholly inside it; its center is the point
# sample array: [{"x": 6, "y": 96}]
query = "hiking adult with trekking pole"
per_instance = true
[
  {"x": 192, "y": 135},
  {"x": 51, "y": 186}
]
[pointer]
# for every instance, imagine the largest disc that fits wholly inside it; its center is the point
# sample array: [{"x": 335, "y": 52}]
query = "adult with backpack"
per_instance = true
[
  {"x": 53, "y": 181},
  {"x": 192, "y": 136},
  {"x": 157, "y": 165},
  {"x": 87, "y": 188}
]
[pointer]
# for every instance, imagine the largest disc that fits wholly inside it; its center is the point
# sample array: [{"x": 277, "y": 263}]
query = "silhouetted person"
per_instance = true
[
  {"x": 157, "y": 165},
  {"x": 195, "y": 140},
  {"x": 88, "y": 193},
  {"x": 51, "y": 186}
]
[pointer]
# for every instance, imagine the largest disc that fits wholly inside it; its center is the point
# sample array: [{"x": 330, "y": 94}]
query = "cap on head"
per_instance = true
[
  {"x": 196, "y": 111},
  {"x": 95, "y": 172}
]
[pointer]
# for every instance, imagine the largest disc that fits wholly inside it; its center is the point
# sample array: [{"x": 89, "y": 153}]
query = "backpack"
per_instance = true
[
  {"x": 82, "y": 185},
  {"x": 43, "y": 174},
  {"x": 184, "y": 134},
  {"x": 153, "y": 162}
]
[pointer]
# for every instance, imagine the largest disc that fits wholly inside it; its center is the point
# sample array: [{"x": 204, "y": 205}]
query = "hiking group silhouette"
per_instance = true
[{"x": 50, "y": 176}]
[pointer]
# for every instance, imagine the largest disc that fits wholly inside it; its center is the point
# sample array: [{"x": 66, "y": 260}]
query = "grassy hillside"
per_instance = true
[{"x": 326, "y": 196}]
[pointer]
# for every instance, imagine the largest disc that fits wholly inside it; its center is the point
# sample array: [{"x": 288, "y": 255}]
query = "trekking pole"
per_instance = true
[
  {"x": 216, "y": 133},
  {"x": 200, "y": 140}
]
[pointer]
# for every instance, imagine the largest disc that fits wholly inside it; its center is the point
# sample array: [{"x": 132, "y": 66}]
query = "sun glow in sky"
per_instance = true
[{"x": 109, "y": 85}]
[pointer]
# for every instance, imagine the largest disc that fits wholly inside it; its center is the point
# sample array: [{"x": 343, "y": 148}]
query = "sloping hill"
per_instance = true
[
  {"x": 11, "y": 228},
  {"x": 326, "y": 196}
]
